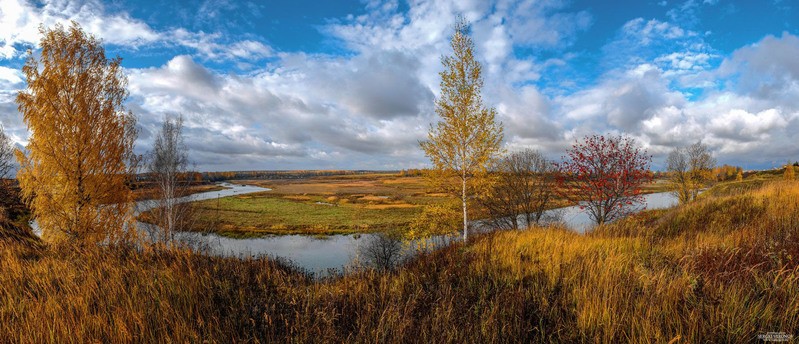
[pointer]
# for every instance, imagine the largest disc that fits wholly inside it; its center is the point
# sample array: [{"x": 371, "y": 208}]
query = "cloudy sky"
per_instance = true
[{"x": 295, "y": 84}]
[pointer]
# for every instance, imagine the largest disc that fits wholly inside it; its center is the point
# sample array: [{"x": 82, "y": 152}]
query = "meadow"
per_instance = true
[
  {"x": 332, "y": 204},
  {"x": 722, "y": 269},
  {"x": 338, "y": 204}
]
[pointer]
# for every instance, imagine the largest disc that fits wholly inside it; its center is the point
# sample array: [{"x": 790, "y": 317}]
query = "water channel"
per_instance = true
[{"x": 321, "y": 255}]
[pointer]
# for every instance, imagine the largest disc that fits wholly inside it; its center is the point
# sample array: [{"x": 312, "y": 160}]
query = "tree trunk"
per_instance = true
[{"x": 465, "y": 218}]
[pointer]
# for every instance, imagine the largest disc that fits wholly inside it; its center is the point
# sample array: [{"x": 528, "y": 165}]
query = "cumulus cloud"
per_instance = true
[
  {"x": 658, "y": 81},
  {"x": 767, "y": 70},
  {"x": 20, "y": 21},
  {"x": 622, "y": 101}
]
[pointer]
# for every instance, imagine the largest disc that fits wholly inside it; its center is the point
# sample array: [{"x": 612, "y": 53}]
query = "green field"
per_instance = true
[
  {"x": 341, "y": 204},
  {"x": 265, "y": 213},
  {"x": 319, "y": 206}
]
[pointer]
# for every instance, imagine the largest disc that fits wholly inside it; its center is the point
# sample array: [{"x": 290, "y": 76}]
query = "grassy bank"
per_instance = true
[{"x": 723, "y": 269}]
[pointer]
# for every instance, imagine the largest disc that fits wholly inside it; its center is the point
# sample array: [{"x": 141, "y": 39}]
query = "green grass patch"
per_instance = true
[{"x": 267, "y": 213}]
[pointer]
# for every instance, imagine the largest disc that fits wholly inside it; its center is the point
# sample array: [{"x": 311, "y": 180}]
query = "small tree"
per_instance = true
[
  {"x": 81, "y": 144},
  {"x": 677, "y": 165},
  {"x": 6, "y": 154},
  {"x": 523, "y": 189},
  {"x": 436, "y": 219},
  {"x": 467, "y": 138},
  {"x": 740, "y": 176},
  {"x": 6, "y": 164},
  {"x": 381, "y": 251},
  {"x": 691, "y": 169},
  {"x": 789, "y": 172},
  {"x": 701, "y": 163},
  {"x": 604, "y": 174},
  {"x": 167, "y": 165}
]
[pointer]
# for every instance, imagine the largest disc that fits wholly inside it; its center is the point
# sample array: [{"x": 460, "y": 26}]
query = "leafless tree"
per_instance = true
[
  {"x": 523, "y": 189},
  {"x": 168, "y": 167},
  {"x": 691, "y": 169},
  {"x": 381, "y": 251},
  {"x": 6, "y": 163},
  {"x": 677, "y": 165},
  {"x": 6, "y": 154}
]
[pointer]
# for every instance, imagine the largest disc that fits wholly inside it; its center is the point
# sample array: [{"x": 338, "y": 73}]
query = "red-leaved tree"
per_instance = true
[{"x": 604, "y": 174}]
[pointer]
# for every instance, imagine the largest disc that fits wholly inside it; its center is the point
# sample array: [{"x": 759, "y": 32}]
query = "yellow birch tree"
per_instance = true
[
  {"x": 789, "y": 173},
  {"x": 467, "y": 138},
  {"x": 80, "y": 153}
]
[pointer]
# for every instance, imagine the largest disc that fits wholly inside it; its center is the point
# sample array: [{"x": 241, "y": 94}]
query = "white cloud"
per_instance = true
[
  {"x": 20, "y": 21},
  {"x": 368, "y": 108}
]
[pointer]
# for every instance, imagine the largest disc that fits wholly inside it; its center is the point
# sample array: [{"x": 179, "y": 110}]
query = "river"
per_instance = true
[{"x": 322, "y": 255}]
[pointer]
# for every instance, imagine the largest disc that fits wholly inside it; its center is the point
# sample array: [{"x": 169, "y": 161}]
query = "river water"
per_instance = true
[{"x": 322, "y": 255}]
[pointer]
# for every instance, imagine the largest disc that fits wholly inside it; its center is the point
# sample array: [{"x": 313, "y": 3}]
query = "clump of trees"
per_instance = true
[
  {"x": 726, "y": 172},
  {"x": 604, "y": 174},
  {"x": 523, "y": 189},
  {"x": 467, "y": 138},
  {"x": 691, "y": 169},
  {"x": 80, "y": 153}
]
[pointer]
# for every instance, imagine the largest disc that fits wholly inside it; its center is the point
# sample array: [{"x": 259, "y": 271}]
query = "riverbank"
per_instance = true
[{"x": 723, "y": 269}]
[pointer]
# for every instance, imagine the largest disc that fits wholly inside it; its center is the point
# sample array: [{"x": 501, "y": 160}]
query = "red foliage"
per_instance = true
[{"x": 605, "y": 174}]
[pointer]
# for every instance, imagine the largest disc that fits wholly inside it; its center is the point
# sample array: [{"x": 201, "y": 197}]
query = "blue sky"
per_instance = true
[{"x": 351, "y": 84}]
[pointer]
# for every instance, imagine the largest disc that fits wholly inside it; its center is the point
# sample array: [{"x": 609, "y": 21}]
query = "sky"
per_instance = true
[{"x": 305, "y": 84}]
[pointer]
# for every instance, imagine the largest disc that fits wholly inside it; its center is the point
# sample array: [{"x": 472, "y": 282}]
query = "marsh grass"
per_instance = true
[{"x": 722, "y": 269}]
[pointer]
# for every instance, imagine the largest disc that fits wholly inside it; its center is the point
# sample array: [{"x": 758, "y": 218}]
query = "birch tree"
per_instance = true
[
  {"x": 80, "y": 153},
  {"x": 467, "y": 138},
  {"x": 167, "y": 165}
]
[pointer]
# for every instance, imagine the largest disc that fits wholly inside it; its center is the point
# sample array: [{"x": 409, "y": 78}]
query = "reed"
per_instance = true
[{"x": 722, "y": 269}]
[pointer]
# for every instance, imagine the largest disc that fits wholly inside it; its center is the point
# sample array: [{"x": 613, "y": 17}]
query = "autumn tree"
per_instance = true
[
  {"x": 80, "y": 152},
  {"x": 168, "y": 166},
  {"x": 436, "y": 219},
  {"x": 523, "y": 189},
  {"x": 604, "y": 175},
  {"x": 691, "y": 169},
  {"x": 789, "y": 173},
  {"x": 467, "y": 138}
]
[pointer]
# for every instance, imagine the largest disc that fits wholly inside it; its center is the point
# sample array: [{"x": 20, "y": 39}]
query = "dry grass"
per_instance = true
[{"x": 721, "y": 270}]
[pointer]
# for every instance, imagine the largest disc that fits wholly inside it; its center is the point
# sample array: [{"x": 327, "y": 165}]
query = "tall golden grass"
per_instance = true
[{"x": 722, "y": 269}]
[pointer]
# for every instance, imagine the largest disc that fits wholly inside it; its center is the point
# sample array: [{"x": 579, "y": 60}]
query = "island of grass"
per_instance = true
[{"x": 326, "y": 205}]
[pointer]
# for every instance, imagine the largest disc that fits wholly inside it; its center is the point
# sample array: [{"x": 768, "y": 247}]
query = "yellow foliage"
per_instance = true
[
  {"x": 467, "y": 139},
  {"x": 80, "y": 153},
  {"x": 789, "y": 174},
  {"x": 435, "y": 219}
]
